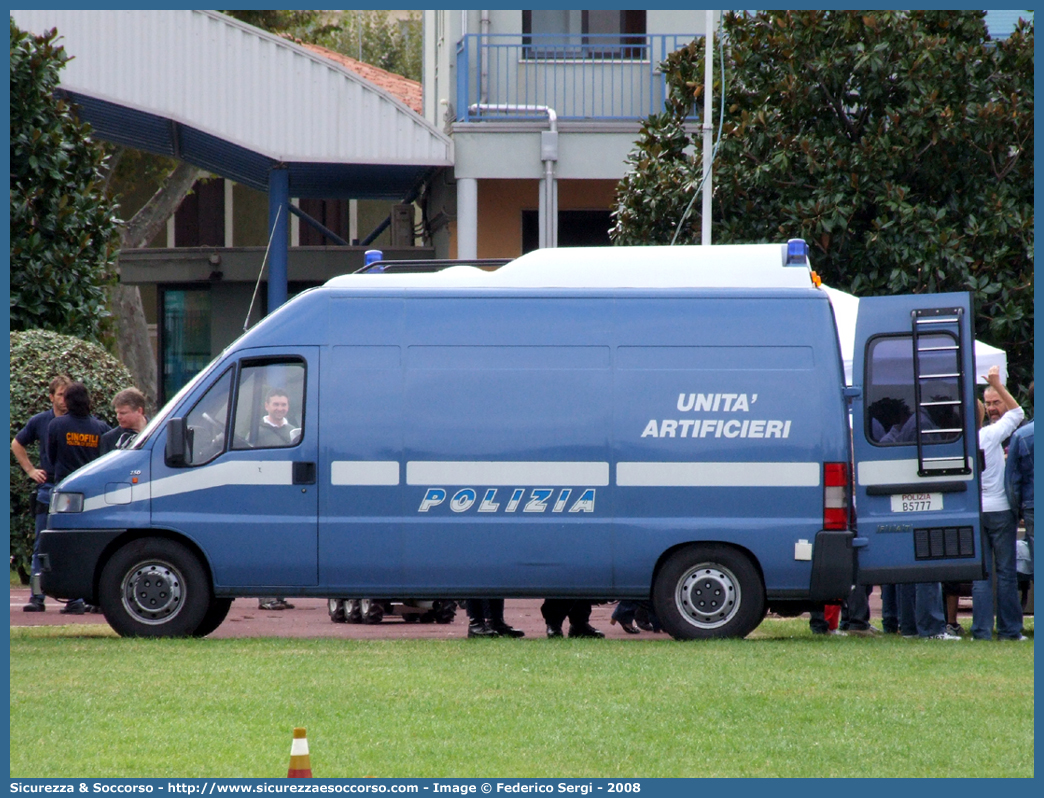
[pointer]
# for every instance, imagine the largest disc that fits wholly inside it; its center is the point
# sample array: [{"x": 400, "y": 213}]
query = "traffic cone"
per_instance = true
[{"x": 300, "y": 763}]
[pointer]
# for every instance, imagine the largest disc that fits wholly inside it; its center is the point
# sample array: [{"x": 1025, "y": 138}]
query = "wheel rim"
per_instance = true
[
  {"x": 152, "y": 592},
  {"x": 708, "y": 595}
]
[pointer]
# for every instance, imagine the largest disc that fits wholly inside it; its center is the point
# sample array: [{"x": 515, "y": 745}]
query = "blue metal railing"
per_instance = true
[{"x": 582, "y": 77}]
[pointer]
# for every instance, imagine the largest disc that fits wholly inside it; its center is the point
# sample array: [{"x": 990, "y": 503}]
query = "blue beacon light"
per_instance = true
[
  {"x": 372, "y": 256},
  {"x": 797, "y": 252}
]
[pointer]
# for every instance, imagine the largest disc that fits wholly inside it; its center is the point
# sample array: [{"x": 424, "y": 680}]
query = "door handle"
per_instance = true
[{"x": 304, "y": 473}]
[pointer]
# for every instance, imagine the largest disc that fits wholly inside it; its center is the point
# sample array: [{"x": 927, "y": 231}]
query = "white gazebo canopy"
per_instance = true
[{"x": 846, "y": 309}]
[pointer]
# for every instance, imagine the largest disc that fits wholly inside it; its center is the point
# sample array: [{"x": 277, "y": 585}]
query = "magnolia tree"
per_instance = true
[
  {"x": 64, "y": 231},
  {"x": 899, "y": 145}
]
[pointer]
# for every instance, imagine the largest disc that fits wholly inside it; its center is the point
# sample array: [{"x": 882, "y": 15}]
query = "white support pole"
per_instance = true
[
  {"x": 708, "y": 127},
  {"x": 467, "y": 218}
]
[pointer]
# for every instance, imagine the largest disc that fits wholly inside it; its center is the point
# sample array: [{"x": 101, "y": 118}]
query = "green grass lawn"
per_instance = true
[{"x": 781, "y": 703}]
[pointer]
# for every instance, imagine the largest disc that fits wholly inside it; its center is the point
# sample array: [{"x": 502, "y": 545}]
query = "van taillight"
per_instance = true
[{"x": 835, "y": 496}]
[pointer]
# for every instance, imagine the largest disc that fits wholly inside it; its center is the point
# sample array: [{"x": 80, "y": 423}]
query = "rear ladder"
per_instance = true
[{"x": 925, "y": 322}]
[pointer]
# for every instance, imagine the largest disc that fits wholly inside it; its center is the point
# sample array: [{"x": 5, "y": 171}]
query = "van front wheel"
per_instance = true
[
  {"x": 707, "y": 591},
  {"x": 154, "y": 587}
]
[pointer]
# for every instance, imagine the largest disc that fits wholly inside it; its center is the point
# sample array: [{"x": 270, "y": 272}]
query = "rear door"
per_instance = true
[{"x": 915, "y": 441}]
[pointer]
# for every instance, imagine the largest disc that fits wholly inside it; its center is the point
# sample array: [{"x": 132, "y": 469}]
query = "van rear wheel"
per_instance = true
[
  {"x": 154, "y": 587},
  {"x": 709, "y": 591}
]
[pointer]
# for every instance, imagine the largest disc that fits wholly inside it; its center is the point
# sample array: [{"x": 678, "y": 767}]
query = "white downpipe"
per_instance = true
[
  {"x": 484, "y": 58},
  {"x": 708, "y": 129},
  {"x": 467, "y": 218},
  {"x": 548, "y": 210}
]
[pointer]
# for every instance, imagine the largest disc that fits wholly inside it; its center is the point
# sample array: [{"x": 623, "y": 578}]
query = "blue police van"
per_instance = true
[{"x": 661, "y": 423}]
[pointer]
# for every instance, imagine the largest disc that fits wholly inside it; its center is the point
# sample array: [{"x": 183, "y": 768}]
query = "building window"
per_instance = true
[
  {"x": 331, "y": 213},
  {"x": 575, "y": 229},
  {"x": 200, "y": 219},
  {"x": 185, "y": 342},
  {"x": 557, "y": 33}
]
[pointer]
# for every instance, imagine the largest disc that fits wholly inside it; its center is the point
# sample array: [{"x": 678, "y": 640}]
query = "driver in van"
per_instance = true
[{"x": 275, "y": 430}]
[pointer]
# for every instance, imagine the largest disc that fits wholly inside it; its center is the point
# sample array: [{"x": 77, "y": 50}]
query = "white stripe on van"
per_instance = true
[
  {"x": 718, "y": 475},
  {"x": 364, "y": 472},
  {"x": 481, "y": 472},
  {"x": 230, "y": 472},
  {"x": 900, "y": 472}
]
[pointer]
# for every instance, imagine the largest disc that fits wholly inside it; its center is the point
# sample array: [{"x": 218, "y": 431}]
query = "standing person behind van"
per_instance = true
[
  {"x": 130, "y": 414},
  {"x": 73, "y": 440},
  {"x": 486, "y": 619},
  {"x": 555, "y": 611},
  {"x": 998, "y": 524},
  {"x": 1018, "y": 476},
  {"x": 275, "y": 431},
  {"x": 35, "y": 431}
]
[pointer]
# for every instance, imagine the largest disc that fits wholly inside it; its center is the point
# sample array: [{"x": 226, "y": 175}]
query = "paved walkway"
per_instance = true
[{"x": 310, "y": 618}]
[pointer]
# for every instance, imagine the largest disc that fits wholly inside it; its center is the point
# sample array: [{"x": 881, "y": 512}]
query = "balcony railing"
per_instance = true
[{"x": 606, "y": 77}]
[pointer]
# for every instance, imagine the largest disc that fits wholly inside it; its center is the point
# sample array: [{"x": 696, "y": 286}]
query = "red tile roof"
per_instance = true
[{"x": 402, "y": 88}]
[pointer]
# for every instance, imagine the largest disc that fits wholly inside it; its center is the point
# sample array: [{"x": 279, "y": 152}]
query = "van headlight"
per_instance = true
[{"x": 66, "y": 503}]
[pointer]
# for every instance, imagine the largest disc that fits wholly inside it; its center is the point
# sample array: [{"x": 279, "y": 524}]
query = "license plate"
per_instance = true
[{"x": 916, "y": 502}]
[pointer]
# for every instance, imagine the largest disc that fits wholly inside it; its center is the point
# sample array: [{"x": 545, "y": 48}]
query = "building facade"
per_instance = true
[{"x": 543, "y": 107}]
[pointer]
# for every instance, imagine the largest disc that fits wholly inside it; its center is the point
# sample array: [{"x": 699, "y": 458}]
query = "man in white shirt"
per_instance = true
[{"x": 998, "y": 525}]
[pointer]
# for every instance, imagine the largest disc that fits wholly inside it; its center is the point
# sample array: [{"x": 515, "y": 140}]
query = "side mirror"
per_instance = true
[{"x": 178, "y": 446}]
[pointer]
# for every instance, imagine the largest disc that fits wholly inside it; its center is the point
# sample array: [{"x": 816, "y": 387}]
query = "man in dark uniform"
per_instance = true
[
  {"x": 36, "y": 432},
  {"x": 73, "y": 440}
]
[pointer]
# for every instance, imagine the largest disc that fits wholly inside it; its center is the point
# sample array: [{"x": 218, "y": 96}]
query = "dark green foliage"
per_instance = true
[
  {"x": 64, "y": 232},
  {"x": 898, "y": 144},
  {"x": 36, "y": 358}
]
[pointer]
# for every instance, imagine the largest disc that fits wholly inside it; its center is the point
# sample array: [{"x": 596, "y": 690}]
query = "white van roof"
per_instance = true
[{"x": 720, "y": 266}]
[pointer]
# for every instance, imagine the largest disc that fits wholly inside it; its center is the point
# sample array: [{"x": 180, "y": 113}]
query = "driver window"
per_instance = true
[
  {"x": 270, "y": 405},
  {"x": 207, "y": 422}
]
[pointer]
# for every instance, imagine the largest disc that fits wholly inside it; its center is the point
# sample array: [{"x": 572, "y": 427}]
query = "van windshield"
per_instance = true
[{"x": 160, "y": 418}]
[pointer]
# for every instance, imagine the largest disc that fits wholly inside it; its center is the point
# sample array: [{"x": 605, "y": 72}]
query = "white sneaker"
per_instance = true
[{"x": 943, "y": 636}]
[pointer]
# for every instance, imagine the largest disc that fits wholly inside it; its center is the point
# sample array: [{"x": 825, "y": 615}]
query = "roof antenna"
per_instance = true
[{"x": 264, "y": 262}]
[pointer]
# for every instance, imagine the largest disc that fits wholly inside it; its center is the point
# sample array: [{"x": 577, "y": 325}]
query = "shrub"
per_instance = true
[{"x": 37, "y": 356}]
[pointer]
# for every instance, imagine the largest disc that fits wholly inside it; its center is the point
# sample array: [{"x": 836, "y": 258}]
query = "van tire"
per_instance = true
[
  {"x": 336, "y": 609},
  {"x": 371, "y": 611},
  {"x": 215, "y": 616},
  {"x": 708, "y": 591},
  {"x": 154, "y": 587}
]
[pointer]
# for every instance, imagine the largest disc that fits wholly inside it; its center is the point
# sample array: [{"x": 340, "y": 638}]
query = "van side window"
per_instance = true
[
  {"x": 890, "y": 398},
  {"x": 208, "y": 421},
  {"x": 269, "y": 404}
]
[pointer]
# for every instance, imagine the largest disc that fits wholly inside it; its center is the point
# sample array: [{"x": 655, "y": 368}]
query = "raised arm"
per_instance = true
[{"x": 993, "y": 378}]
